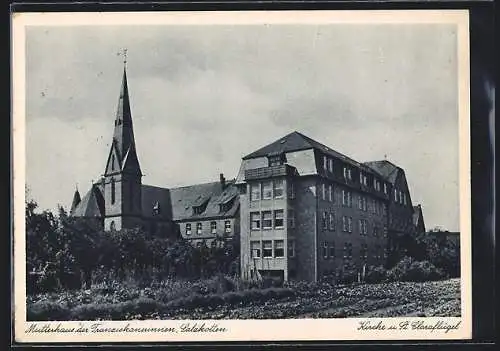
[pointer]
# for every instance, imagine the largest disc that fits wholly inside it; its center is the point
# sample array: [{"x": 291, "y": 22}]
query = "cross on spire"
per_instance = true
[{"x": 125, "y": 56}]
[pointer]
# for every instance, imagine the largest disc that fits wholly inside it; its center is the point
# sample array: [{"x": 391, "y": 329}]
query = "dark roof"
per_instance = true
[
  {"x": 76, "y": 200},
  {"x": 296, "y": 141},
  {"x": 213, "y": 194},
  {"x": 417, "y": 214},
  {"x": 385, "y": 168},
  {"x": 155, "y": 196},
  {"x": 92, "y": 204}
]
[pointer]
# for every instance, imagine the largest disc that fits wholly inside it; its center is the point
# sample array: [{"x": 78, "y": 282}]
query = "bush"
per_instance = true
[
  {"x": 47, "y": 311},
  {"x": 376, "y": 275},
  {"x": 220, "y": 284},
  {"x": 414, "y": 271}
]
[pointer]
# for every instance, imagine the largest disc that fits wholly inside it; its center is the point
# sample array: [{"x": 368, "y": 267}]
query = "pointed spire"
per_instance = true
[
  {"x": 76, "y": 201},
  {"x": 123, "y": 135}
]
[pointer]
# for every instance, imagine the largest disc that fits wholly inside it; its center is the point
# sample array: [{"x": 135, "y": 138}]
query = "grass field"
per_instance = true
[{"x": 214, "y": 300}]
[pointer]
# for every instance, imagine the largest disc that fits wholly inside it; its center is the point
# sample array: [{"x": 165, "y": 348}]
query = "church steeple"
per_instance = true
[
  {"x": 76, "y": 201},
  {"x": 123, "y": 143},
  {"x": 122, "y": 178}
]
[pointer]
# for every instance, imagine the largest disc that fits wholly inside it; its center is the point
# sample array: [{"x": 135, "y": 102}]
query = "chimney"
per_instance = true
[{"x": 222, "y": 180}]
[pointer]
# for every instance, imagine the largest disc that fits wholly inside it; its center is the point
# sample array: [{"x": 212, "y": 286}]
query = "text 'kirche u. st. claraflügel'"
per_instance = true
[{"x": 300, "y": 209}]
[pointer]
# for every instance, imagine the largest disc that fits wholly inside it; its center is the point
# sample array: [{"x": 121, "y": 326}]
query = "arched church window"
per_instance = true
[{"x": 112, "y": 191}]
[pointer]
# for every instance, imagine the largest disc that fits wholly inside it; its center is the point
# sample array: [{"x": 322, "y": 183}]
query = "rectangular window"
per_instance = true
[
  {"x": 349, "y": 224},
  {"x": 267, "y": 220},
  {"x": 347, "y": 251},
  {"x": 404, "y": 199},
  {"x": 291, "y": 190},
  {"x": 255, "y": 220},
  {"x": 324, "y": 222},
  {"x": 331, "y": 250},
  {"x": 395, "y": 195},
  {"x": 330, "y": 193},
  {"x": 345, "y": 172},
  {"x": 291, "y": 219},
  {"x": 349, "y": 175},
  {"x": 375, "y": 231},
  {"x": 325, "y": 249},
  {"x": 400, "y": 197},
  {"x": 198, "y": 228},
  {"x": 213, "y": 227},
  {"x": 346, "y": 198},
  {"x": 279, "y": 186},
  {"x": 360, "y": 222},
  {"x": 331, "y": 222},
  {"x": 255, "y": 192},
  {"x": 325, "y": 163},
  {"x": 363, "y": 252},
  {"x": 360, "y": 177},
  {"x": 267, "y": 190},
  {"x": 291, "y": 248},
  {"x": 255, "y": 249},
  {"x": 279, "y": 219},
  {"x": 330, "y": 165},
  {"x": 279, "y": 248},
  {"x": 188, "y": 228},
  {"x": 385, "y": 188},
  {"x": 344, "y": 224},
  {"x": 267, "y": 248},
  {"x": 227, "y": 226},
  {"x": 364, "y": 204},
  {"x": 385, "y": 231},
  {"x": 323, "y": 191}
]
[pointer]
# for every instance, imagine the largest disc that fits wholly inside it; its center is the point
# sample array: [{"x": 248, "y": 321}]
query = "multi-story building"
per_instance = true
[
  {"x": 307, "y": 211},
  {"x": 302, "y": 210},
  {"x": 400, "y": 208}
]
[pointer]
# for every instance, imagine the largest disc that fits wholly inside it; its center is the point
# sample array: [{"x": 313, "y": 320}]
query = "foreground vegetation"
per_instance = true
[
  {"x": 78, "y": 272},
  {"x": 225, "y": 298}
]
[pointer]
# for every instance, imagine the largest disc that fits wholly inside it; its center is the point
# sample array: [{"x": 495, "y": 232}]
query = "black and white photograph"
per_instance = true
[{"x": 204, "y": 170}]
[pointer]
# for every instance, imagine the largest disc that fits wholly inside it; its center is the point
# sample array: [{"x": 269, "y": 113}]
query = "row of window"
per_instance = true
[
  {"x": 269, "y": 189},
  {"x": 271, "y": 248},
  {"x": 347, "y": 173},
  {"x": 213, "y": 227},
  {"x": 271, "y": 219},
  {"x": 328, "y": 251},
  {"x": 400, "y": 197}
]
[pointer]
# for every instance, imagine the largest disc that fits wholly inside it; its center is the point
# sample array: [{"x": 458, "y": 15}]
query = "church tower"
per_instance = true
[{"x": 122, "y": 177}]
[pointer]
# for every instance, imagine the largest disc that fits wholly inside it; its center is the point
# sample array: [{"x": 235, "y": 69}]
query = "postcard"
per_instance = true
[{"x": 241, "y": 176}]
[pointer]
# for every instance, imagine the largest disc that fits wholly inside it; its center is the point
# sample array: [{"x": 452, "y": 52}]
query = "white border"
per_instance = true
[{"x": 247, "y": 330}]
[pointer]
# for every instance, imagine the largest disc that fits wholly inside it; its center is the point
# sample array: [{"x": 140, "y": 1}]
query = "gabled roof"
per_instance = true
[
  {"x": 183, "y": 200},
  {"x": 296, "y": 141},
  {"x": 92, "y": 204},
  {"x": 417, "y": 214},
  {"x": 385, "y": 168},
  {"x": 76, "y": 200}
]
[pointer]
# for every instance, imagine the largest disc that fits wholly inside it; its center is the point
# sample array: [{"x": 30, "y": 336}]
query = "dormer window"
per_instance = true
[
  {"x": 200, "y": 206},
  {"x": 347, "y": 173},
  {"x": 156, "y": 208},
  {"x": 330, "y": 165},
  {"x": 276, "y": 160}
]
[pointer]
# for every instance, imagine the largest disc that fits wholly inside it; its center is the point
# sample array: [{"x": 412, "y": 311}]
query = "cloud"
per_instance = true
[{"x": 204, "y": 96}]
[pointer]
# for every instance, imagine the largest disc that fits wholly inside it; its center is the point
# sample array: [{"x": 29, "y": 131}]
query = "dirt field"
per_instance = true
[
  {"x": 177, "y": 300},
  {"x": 440, "y": 298}
]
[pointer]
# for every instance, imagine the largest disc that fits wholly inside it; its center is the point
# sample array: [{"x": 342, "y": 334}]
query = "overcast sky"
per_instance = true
[{"x": 202, "y": 97}]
